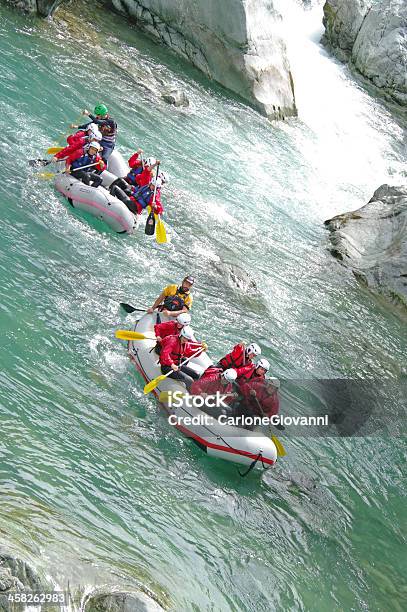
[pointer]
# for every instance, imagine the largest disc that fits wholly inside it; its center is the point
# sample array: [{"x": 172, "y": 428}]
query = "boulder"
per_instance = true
[
  {"x": 236, "y": 277},
  {"x": 16, "y": 573},
  {"x": 45, "y": 8},
  {"x": 372, "y": 241},
  {"x": 372, "y": 35},
  {"x": 177, "y": 97},
  {"x": 122, "y": 602}
]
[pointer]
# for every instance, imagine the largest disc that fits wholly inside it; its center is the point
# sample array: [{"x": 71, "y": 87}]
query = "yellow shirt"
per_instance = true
[{"x": 173, "y": 290}]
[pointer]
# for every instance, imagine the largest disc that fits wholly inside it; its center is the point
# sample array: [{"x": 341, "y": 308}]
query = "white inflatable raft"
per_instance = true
[
  {"x": 98, "y": 201},
  {"x": 217, "y": 439}
]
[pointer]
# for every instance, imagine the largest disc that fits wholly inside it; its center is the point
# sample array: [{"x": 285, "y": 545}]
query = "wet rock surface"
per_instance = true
[
  {"x": 372, "y": 241},
  {"x": 372, "y": 35}
]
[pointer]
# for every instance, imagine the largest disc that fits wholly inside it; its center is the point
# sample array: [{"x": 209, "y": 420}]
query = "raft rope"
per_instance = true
[{"x": 252, "y": 465}]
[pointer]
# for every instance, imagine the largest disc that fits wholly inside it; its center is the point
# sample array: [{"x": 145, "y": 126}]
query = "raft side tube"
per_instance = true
[
  {"x": 98, "y": 202},
  {"x": 218, "y": 440}
]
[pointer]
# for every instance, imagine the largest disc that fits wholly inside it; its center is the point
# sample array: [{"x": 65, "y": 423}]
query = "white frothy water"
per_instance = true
[{"x": 353, "y": 132}]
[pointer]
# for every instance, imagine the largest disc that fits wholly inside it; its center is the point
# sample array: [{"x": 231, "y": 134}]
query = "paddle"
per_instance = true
[
  {"x": 39, "y": 162},
  {"x": 164, "y": 396},
  {"x": 47, "y": 175},
  {"x": 150, "y": 223},
  {"x": 54, "y": 150},
  {"x": 156, "y": 381},
  {"x": 160, "y": 233},
  {"x": 128, "y": 308},
  {"x": 124, "y": 334},
  {"x": 281, "y": 452}
]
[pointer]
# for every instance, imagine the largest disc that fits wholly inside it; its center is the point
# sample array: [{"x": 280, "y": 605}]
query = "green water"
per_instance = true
[{"x": 94, "y": 485}]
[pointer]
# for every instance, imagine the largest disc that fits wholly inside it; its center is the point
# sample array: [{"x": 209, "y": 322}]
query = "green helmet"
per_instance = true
[{"x": 100, "y": 109}]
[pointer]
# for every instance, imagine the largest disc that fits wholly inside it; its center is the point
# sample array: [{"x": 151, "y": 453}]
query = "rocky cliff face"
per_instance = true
[
  {"x": 234, "y": 42},
  {"x": 42, "y": 7},
  {"x": 372, "y": 34},
  {"x": 373, "y": 242}
]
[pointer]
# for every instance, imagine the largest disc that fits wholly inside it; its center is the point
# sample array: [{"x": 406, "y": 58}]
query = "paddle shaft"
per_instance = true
[
  {"x": 83, "y": 167},
  {"x": 187, "y": 360},
  {"x": 155, "y": 186},
  {"x": 279, "y": 427},
  {"x": 129, "y": 308}
]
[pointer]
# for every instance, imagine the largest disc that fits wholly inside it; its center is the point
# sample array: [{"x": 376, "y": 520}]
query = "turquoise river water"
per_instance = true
[{"x": 95, "y": 487}]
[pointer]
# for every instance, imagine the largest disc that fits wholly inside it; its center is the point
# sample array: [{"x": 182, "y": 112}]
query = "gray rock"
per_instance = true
[
  {"x": 372, "y": 241},
  {"x": 17, "y": 575},
  {"x": 7, "y": 581},
  {"x": 122, "y": 602},
  {"x": 373, "y": 36},
  {"x": 177, "y": 97},
  {"x": 236, "y": 277},
  {"x": 235, "y": 42},
  {"x": 41, "y": 7}
]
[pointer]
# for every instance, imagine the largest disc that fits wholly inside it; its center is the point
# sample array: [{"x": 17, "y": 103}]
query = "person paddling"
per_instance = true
[
  {"x": 261, "y": 396},
  {"x": 107, "y": 125},
  {"x": 147, "y": 173},
  {"x": 136, "y": 166},
  {"x": 240, "y": 356},
  {"x": 258, "y": 396},
  {"x": 75, "y": 165},
  {"x": 78, "y": 141},
  {"x": 171, "y": 328},
  {"x": 252, "y": 371},
  {"x": 139, "y": 181},
  {"x": 137, "y": 199},
  {"x": 174, "y": 299},
  {"x": 214, "y": 380},
  {"x": 174, "y": 349}
]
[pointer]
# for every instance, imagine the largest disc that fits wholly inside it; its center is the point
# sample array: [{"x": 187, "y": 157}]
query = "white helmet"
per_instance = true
[
  {"x": 92, "y": 127},
  {"x": 263, "y": 363},
  {"x": 275, "y": 382},
  {"x": 156, "y": 182},
  {"x": 187, "y": 332},
  {"x": 164, "y": 177},
  {"x": 253, "y": 348},
  {"x": 150, "y": 161},
  {"x": 184, "y": 318},
  {"x": 95, "y": 145},
  {"x": 230, "y": 375},
  {"x": 96, "y": 134}
]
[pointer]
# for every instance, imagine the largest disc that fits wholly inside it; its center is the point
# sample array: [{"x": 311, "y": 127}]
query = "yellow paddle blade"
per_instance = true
[
  {"x": 280, "y": 448},
  {"x": 153, "y": 383},
  {"x": 160, "y": 233},
  {"x": 46, "y": 175},
  {"x": 124, "y": 334},
  {"x": 54, "y": 150},
  {"x": 165, "y": 395}
]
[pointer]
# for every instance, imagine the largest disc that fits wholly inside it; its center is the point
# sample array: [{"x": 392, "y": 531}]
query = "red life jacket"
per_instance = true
[
  {"x": 210, "y": 384},
  {"x": 173, "y": 352},
  {"x": 269, "y": 402},
  {"x": 168, "y": 328},
  {"x": 248, "y": 372},
  {"x": 73, "y": 138},
  {"x": 135, "y": 161},
  {"x": 235, "y": 359}
]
